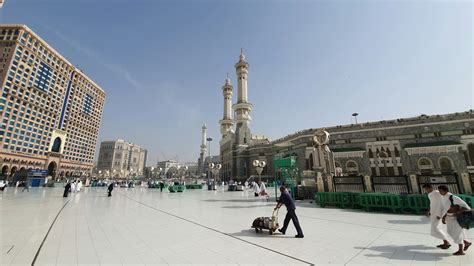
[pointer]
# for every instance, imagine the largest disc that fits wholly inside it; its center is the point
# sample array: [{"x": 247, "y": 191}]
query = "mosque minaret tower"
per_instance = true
[
  {"x": 227, "y": 123},
  {"x": 242, "y": 108}
]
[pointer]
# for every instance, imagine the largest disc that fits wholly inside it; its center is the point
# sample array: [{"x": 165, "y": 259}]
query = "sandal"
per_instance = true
[
  {"x": 440, "y": 246},
  {"x": 466, "y": 246},
  {"x": 445, "y": 246},
  {"x": 459, "y": 253}
]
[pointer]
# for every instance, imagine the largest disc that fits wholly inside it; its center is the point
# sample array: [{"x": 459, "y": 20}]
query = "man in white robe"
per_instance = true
[
  {"x": 435, "y": 214},
  {"x": 73, "y": 187},
  {"x": 256, "y": 189},
  {"x": 452, "y": 204}
]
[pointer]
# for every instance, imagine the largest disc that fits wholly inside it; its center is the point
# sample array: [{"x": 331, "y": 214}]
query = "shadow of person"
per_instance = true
[
  {"x": 420, "y": 220},
  {"x": 412, "y": 253},
  {"x": 247, "y": 206}
]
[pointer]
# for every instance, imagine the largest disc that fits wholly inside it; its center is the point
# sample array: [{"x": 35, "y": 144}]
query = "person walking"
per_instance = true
[
  {"x": 26, "y": 187},
  {"x": 285, "y": 199},
  {"x": 162, "y": 185},
  {"x": 435, "y": 214},
  {"x": 256, "y": 189},
  {"x": 67, "y": 188},
  {"x": 110, "y": 188},
  {"x": 452, "y": 205},
  {"x": 73, "y": 186}
]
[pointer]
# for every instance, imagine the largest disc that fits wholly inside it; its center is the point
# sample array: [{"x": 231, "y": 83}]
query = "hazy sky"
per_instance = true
[{"x": 312, "y": 63}]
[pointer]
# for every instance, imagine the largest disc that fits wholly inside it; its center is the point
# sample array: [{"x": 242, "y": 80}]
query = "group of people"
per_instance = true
[
  {"x": 445, "y": 208},
  {"x": 259, "y": 188},
  {"x": 72, "y": 187}
]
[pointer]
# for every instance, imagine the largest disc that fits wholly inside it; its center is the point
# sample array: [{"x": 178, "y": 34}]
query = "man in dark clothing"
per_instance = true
[
  {"x": 285, "y": 199},
  {"x": 162, "y": 185},
  {"x": 67, "y": 188},
  {"x": 110, "y": 188}
]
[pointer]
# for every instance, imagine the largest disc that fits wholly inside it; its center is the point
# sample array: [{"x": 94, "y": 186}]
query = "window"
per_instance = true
[
  {"x": 446, "y": 165},
  {"x": 425, "y": 165}
]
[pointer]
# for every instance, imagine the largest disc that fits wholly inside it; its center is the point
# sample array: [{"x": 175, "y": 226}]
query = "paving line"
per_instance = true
[
  {"x": 218, "y": 231},
  {"x": 47, "y": 233},
  {"x": 10, "y": 249}
]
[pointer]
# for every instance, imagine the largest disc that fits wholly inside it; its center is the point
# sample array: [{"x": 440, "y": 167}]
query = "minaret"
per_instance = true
[
  {"x": 203, "y": 148},
  {"x": 227, "y": 123},
  {"x": 242, "y": 108}
]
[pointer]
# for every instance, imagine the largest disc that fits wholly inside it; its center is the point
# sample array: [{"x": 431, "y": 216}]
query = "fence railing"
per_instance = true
[
  {"x": 349, "y": 184},
  {"x": 391, "y": 184},
  {"x": 449, "y": 180}
]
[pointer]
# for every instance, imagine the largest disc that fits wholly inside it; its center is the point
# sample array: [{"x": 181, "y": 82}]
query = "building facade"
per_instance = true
[
  {"x": 121, "y": 159},
  {"x": 423, "y": 145},
  {"x": 50, "y": 110}
]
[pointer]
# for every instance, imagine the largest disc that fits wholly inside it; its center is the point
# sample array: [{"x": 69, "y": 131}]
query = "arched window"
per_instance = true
[
  {"x": 425, "y": 165},
  {"x": 352, "y": 168},
  {"x": 56, "y": 145},
  {"x": 371, "y": 153},
  {"x": 446, "y": 165}
]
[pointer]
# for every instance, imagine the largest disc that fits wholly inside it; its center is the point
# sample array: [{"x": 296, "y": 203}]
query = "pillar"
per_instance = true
[
  {"x": 368, "y": 183},
  {"x": 414, "y": 184},
  {"x": 466, "y": 183}
]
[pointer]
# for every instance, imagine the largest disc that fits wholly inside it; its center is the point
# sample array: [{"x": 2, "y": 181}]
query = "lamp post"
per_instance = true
[
  {"x": 215, "y": 168},
  {"x": 209, "y": 146},
  {"x": 355, "y": 116},
  {"x": 259, "y": 165}
]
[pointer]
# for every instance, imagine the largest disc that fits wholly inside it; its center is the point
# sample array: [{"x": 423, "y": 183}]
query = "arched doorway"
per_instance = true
[
  {"x": 5, "y": 169},
  {"x": 13, "y": 171},
  {"x": 52, "y": 169},
  {"x": 56, "y": 145}
]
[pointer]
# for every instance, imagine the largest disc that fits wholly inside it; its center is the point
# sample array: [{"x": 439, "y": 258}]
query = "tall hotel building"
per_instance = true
[{"x": 50, "y": 111}]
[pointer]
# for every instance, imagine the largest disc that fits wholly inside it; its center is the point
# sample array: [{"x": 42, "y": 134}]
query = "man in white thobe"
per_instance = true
[
  {"x": 452, "y": 204},
  {"x": 435, "y": 214},
  {"x": 73, "y": 187}
]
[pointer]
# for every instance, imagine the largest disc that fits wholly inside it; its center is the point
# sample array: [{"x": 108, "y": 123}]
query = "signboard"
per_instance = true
[{"x": 38, "y": 172}]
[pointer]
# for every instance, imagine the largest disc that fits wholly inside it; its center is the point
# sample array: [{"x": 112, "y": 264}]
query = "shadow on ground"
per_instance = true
[
  {"x": 246, "y": 207},
  {"x": 413, "y": 253},
  {"x": 252, "y": 233},
  {"x": 238, "y": 200},
  {"x": 420, "y": 220}
]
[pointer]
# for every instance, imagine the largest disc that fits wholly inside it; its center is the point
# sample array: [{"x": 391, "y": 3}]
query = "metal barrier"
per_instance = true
[
  {"x": 449, "y": 180},
  {"x": 349, "y": 184},
  {"x": 391, "y": 184}
]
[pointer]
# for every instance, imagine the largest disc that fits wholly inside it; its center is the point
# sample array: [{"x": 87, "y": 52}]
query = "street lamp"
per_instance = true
[
  {"x": 259, "y": 165},
  {"x": 355, "y": 116},
  {"x": 209, "y": 145},
  {"x": 215, "y": 168}
]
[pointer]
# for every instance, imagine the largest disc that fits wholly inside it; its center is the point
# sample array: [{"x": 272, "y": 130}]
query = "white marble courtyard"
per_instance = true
[{"x": 143, "y": 226}]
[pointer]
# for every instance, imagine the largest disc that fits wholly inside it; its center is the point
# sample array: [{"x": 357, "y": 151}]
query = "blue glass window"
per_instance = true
[
  {"x": 43, "y": 77},
  {"x": 88, "y": 104}
]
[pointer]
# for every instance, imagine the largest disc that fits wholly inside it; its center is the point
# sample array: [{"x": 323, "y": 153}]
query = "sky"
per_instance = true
[{"x": 312, "y": 63}]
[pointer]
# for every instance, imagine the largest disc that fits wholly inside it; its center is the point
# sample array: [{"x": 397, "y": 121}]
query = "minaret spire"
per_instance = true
[
  {"x": 227, "y": 123},
  {"x": 203, "y": 148},
  {"x": 242, "y": 108}
]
